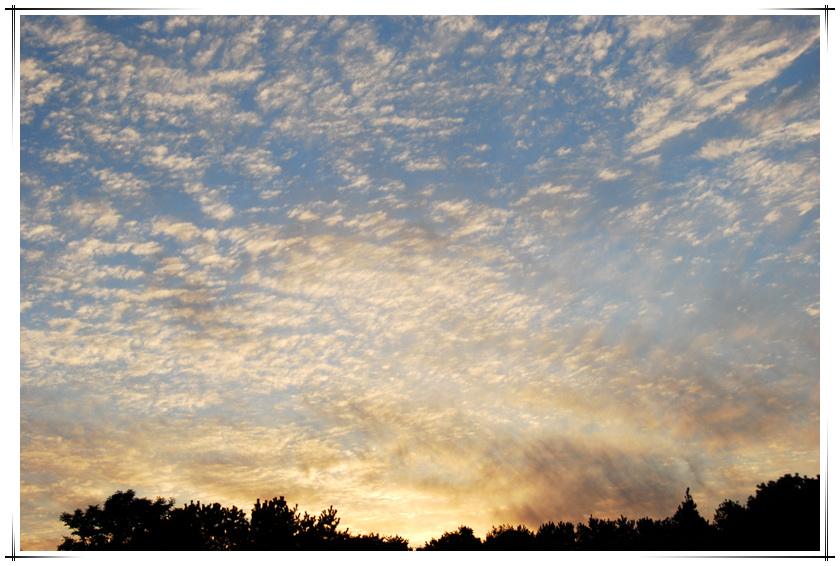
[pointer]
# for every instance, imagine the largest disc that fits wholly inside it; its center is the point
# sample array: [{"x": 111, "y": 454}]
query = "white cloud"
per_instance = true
[
  {"x": 122, "y": 184},
  {"x": 176, "y": 22},
  {"x": 94, "y": 216},
  {"x": 39, "y": 232},
  {"x": 65, "y": 155},
  {"x": 159, "y": 156},
  {"x": 610, "y": 175},
  {"x": 304, "y": 215},
  {"x": 146, "y": 248},
  {"x": 183, "y": 231},
  {"x": 550, "y": 190},
  {"x": 785, "y": 135},
  {"x": 719, "y": 86},
  {"x": 211, "y": 202},
  {"x": 645, "y": 28},
  {"x": 36, "y": 86}
]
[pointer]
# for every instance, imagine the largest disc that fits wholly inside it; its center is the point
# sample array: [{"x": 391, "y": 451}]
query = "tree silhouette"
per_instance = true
[
  {"x": 782, "y": 515},
  {"x": 654, "y": 534},
  {"x": 785, "y": 514},
  {"x": 206, "y": 527},
  {"x": 462, "y": 539},
  {"x": 506, "y": 537},
  {"x": 123, "y": 523},
  {"x": 691, "y": 531},
  {"x": 374, "y": 541},
  {"x": 273, "y": 525},
  {"x": 322, "y": 532},
  {"x": 608, "y": 534},
  {"x": 732, "y": 525},
  {"x": 550, "y": 536}
]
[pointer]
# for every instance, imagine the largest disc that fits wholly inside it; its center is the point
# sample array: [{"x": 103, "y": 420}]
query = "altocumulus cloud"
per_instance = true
[{"x": 431, "y": 271}]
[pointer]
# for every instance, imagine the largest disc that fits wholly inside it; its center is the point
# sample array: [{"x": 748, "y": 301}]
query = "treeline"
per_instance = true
[
  {"x": 126, "y": 522},
  {"x": 782, "y": 515}
]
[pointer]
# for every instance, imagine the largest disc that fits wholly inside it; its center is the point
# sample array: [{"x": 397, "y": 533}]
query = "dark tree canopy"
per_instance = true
[
  {"x": 126, "y": 522},
  {"x": 551, "y": 536},
  {"x": 691, "y": 531},
  {"x": 206, "y": 527},
  {"x": 506, "y": 537},
  {"x": 782, "y": 515},
  {"x": 462, "y": 539},
  {"x": 123, "y": 523}
]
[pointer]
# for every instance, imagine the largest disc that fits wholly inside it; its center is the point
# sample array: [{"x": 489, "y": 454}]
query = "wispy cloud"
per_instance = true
[{"x": 729, "y": 70}]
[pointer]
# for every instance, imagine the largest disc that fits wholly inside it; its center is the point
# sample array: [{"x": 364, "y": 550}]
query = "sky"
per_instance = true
[{"x": 431, "y": 271}]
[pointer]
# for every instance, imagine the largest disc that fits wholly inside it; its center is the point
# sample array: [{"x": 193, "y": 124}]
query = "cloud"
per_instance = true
[
  {"x": 65, "y": 155},
  {"x": 122, "y": 184},
  {"x": 304, "y": 215},
  {"x": 610, "y": 175},
  {"x": 183, "y": 231},
  {"x": 720, "y": 85},
  {"x": 789, "y": 134},
  {"x": 160, "y": 157},
  {"x": 146, "y": 248},
  {"x": 211, "y": 201},
  {"x": 654, "y": 28},
  {"x": 36, "y": 86},
  {"x": 96, "y": 217},
  {"x": 39, "y": 232},
  {"x": 554, "y": 194}
]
